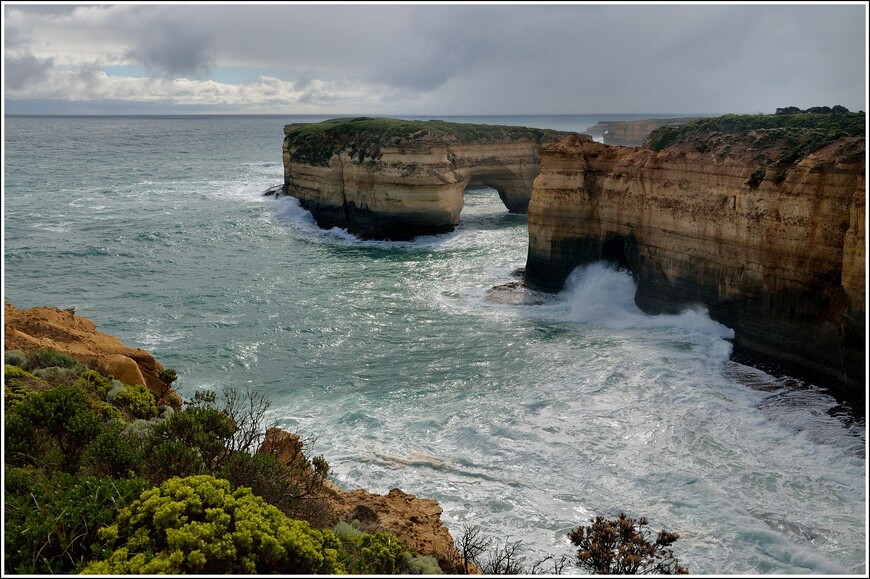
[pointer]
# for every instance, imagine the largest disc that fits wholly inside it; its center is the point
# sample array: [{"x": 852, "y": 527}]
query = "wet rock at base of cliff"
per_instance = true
[{"x": 516, "y": 293}]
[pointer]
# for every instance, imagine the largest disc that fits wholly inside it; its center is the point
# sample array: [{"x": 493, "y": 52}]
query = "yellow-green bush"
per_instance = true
[
  {"x": 198, "y": 525},
  {"x": 138, "y": 401},
  {"x": 17, "y": 384},
  {"x": 378, "y": 553}
]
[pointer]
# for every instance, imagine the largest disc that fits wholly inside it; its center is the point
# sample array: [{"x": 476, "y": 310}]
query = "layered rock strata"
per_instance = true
[
  {"x": 776, "y": 253},
  {"x": 399, "y": 187}
]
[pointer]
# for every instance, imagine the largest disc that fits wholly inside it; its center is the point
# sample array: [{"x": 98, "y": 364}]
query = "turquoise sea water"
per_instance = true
[{"x": 526, "y": 420}]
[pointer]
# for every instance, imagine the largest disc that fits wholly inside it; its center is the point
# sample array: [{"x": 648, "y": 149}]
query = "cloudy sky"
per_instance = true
[{"x": 432, "y": 58}]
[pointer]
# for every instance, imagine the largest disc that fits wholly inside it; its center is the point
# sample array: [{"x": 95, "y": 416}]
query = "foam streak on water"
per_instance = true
[{"x": 526, "y": 420}]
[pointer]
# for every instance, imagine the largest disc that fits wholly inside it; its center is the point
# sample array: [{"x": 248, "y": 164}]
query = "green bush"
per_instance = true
[
  {"x": 18, "y": 384},
  {"x": 186, "y": 443},
  {"x": 92, "y": 381},
  {"x": 56, "y": 375},
  {"x": 197, "y": 525},
  {"x": 15, "y": 358},
  {"x": 54, "y": 425},
  {"x": 48, "y": 358},
  {"x": 137, "y": 400},
  {"x": 52, "y": 522},
  {"x": 414, "y": 564},
  {"x": 378, "y": 553},
  {"x": 266, "y": 476},
  {"x": 113, "y": 453}
]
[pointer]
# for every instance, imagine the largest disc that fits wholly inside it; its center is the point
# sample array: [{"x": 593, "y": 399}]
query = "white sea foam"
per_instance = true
[{"x": 600, "y": 293}]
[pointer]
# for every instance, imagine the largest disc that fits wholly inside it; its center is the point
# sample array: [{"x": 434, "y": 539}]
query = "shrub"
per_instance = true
[
  {"x": 18, "y": 384},
  {"x": 54, "y": 425},
  {"x": 137, "y": 400},
  {"x": 415, "y": 564},
  {"x": 92, "y": 381},
  {"x": 48, "y": 358},
  {"x": 56, "y": 375},
  {"x": 197, "y": 525},
  {"x": 378, "y": 553},
  {"x": 113, "y": 453},
  {"x": 15, "y": 358},
  {"x": 52, "y": 522},
  {"x": 265, "y": 475},
  {"x": 186, "y": 443},
  {"x": 623, "y": 546}
]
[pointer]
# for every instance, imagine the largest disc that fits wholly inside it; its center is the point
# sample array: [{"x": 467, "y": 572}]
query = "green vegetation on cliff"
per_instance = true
[
  {"x": 792, "y": 131},
  {"x": 363, "y": 137}
]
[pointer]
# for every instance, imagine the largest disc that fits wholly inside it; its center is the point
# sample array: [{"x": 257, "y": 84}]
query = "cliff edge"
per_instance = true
[
  {"x": 760, "y": 222},
  {"x": 396, "y": 179}
]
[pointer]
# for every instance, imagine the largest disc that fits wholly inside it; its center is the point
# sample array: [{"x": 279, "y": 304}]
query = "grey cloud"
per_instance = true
[
  {"x": 174, "y": 43},
  {"x": 503, "y": 59},
  {"x": 22, "y": 69}
]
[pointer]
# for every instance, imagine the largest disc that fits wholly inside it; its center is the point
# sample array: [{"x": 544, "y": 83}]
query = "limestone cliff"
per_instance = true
[
  {"x": 773, "y": 248},
  {"x": 393, "y": 179}
]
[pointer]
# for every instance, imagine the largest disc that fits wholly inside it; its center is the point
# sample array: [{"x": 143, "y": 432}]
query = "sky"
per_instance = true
[{"x": 444, "y": 59}]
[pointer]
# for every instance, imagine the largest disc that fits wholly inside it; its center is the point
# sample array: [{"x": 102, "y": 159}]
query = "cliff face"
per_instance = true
[
  {"x": 776, "y": 253},
  {"x": 409, "y": 185}
]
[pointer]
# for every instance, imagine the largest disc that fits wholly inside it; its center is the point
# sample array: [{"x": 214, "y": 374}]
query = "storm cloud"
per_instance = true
[{"x": 439, "y": 59}]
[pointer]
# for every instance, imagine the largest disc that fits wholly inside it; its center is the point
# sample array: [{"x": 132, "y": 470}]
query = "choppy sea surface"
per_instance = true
[{"x": 526, "y": 420}]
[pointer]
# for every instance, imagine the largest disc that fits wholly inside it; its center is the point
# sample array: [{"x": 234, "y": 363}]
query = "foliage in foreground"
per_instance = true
[
  {"x": 199, "y": 525},
  {"x": 624, "y": 546},
  {"x": 82, "y": 450}
]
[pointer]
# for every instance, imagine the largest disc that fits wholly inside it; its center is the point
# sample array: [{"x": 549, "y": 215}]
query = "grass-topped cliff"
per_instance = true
[
  {"x": 792, "y": 133},
  {"x": 315, "y": 143}
]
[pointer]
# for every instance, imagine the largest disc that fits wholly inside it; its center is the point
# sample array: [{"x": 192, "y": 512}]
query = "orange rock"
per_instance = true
[{"x": 62, "y": 330}]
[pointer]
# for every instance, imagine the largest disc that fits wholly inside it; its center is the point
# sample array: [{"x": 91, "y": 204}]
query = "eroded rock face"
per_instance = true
[
  {"x": 415, "y": 521},
  {"x": 63, "y": 331},
  {"x": 775, "y": 253},
  {"x": 411, "y": 186}
]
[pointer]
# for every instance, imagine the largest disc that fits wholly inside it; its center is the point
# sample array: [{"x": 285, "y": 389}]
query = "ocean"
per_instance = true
[{"x": 526, "y": 420}]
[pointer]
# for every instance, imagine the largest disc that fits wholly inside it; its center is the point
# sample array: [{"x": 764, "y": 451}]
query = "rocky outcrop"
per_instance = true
[
  {"x": 632, "y": 133},
  {"x": 414, "y": 521},
  {"x": 776, "y": 252},
  {"x": 391, "y": 179},
  {"x": 63, "y": 331}
]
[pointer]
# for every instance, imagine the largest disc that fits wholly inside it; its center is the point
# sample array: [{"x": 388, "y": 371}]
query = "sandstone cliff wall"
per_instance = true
[
  {"x": 412, "y": 188},
  {"x": 777, "y": 254}
]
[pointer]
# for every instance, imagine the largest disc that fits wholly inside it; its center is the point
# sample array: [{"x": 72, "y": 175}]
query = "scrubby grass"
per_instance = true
[
  {"x": 798, "y": 134},
  {"x": 364, "y": 136}
]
